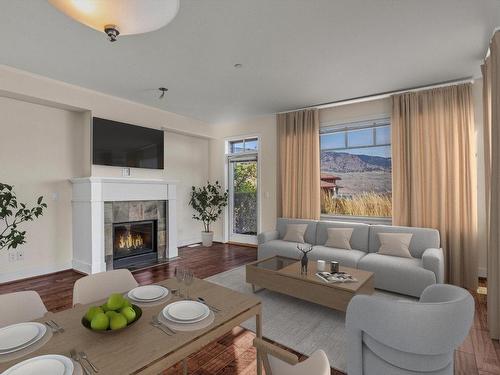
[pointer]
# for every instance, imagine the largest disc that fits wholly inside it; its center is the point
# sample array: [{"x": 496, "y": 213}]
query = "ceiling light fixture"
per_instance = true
[
  {"x": 120, "y": 17},
  {"x": 238, "y": 66},
  {"x": 163, "y": 90}
]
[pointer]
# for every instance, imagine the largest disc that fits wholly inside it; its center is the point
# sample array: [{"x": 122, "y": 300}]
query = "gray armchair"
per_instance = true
[{"x": 388, "y": 337}]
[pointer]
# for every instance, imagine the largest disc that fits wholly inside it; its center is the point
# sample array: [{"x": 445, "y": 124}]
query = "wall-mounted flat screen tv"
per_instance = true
[{"x": 124, "y": 145}]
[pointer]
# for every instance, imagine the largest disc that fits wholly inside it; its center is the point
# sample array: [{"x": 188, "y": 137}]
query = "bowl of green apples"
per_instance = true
[{"x": 115, "y": 315}]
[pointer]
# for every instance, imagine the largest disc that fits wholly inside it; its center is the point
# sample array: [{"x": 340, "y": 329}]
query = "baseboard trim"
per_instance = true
[
  {"x": 255, "y": 246},
  {"x": 82, "y": 267},
  {"x": 29, "y": 273},
  {"x": 188, "y": 241}
]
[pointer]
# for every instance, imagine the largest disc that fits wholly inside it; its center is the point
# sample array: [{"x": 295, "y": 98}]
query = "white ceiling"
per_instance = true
[{"x": 294, "y": 53}]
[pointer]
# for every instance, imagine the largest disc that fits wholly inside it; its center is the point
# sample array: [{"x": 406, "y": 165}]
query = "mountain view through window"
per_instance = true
[{"x": 356, "y": 169}]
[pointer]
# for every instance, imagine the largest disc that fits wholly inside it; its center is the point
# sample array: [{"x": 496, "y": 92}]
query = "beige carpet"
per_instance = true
[{"x": 299, "y": 325}]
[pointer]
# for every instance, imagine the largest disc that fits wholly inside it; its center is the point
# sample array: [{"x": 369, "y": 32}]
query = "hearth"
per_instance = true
[{"x": 134, "y": 242}]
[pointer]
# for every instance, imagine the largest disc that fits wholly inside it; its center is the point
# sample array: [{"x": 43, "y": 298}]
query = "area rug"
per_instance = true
[{"x": 299, "y": 325}]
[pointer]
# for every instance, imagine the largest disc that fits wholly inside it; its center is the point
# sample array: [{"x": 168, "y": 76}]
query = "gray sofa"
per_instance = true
[{"x": 408, "y": 276}]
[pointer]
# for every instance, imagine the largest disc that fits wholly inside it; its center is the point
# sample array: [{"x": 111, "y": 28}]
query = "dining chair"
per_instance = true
[
  {"x": 20, "y": 307},
  {"x": 99, "y": 286},
  {"x": 278, "y": 361}
]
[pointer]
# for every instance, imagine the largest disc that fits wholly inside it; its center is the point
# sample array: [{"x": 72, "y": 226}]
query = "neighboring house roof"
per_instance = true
[
  {"x": 329, "y": 177},
  {"x": 327, "y": 185}
]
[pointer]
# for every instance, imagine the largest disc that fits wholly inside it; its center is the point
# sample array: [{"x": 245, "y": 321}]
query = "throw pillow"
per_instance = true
[
  {"x": 395, "y": 244},
  {"x": 339, "y": 238},
  {"x": 295, "y": 233}
]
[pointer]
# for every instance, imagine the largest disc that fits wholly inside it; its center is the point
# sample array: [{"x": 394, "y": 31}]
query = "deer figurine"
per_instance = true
[{"x": 304, "y": 260}]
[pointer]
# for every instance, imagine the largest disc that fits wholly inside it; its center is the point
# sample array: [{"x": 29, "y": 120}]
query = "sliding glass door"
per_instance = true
[{"x": 243, "y": 198}]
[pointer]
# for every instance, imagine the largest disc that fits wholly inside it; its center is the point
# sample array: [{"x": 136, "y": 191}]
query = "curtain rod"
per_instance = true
[{"x": 381, "y": 95}]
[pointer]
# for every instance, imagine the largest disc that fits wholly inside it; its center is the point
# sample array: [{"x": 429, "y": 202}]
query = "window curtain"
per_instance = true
[
  {"x": 298, "y": 164},
  {"x": 491, "y": 130},
  {"x": 434, "y": 172}
]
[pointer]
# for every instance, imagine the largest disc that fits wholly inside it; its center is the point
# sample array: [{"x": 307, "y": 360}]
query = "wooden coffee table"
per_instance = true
[{"x": 282, "y": 275}]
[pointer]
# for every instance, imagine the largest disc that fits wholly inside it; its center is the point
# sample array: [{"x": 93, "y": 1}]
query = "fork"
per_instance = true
[
  {"x": 156, "y": 321},
  {"x": 160, "y": 326},
  {"x": 85, "y": 357},
  {"x": 54, "y": 326},
  {"x": 76, "y": 358}
]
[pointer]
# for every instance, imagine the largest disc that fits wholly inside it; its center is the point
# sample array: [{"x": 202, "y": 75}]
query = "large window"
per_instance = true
[{"x": 356, "y": 169}]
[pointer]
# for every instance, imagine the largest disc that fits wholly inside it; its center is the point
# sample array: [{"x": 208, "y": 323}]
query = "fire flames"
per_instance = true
[{"x": 130, "y": 241}]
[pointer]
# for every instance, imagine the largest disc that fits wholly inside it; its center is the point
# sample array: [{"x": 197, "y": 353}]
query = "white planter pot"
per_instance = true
[{"x": 207, "y": 238}]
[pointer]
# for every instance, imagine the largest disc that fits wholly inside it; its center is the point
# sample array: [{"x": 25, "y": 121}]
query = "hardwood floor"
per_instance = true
[{"x": 234, "y": 353}]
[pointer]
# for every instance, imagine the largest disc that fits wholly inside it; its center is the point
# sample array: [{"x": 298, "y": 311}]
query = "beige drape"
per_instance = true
[
  {"x": 434, "y": 172},
  {"x": 298, "y": 164},
  {"x": 491, "y": 131}
]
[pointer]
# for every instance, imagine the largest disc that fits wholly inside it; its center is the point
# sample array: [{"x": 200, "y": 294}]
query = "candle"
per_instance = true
[{"x": 321, "y": 265}]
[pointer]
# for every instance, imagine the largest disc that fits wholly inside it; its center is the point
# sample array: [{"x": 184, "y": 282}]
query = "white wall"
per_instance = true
[
  {"x": 187, "y": 162},
  {"x": 265, "y": 128},
  {"x": 40, "y": 149},
  {"x": 356, "y": 112}
]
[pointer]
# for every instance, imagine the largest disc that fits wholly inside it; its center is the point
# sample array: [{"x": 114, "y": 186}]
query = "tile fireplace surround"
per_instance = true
[
  {"x": 131, "y": 212},
  {"x": 99, "y": 202}
]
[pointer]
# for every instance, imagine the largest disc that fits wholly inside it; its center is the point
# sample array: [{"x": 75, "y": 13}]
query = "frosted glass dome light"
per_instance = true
[{"x": 120, "y": 17}]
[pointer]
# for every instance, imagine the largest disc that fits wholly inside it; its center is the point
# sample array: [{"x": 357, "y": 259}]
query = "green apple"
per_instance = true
[
  {"x": 92, "y": 311},
  {"x": 100, "y": 322},
  {"x": 128, "y": 313},
  {"x": 110, "y": 314},
  {"x": 118, "y": 321},
  {"x": 115, "y": 301},
  {"x": 105, "y": 308},
  {"x": 126, "y": 303}
]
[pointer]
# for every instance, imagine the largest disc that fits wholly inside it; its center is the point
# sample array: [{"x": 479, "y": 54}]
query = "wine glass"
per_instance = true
[
  {"x": 180, "y": 274},
  {"x": 188, "y": 280}
]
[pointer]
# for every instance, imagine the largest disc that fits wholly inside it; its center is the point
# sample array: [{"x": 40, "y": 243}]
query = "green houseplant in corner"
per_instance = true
[
  {"x": 208, "y": 201},
  {"x": 13, "y": 213}
]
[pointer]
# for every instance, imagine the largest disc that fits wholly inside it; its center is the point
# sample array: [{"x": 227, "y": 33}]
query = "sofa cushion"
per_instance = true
[
  {"x": 395, "y": 244},
  {"x": 359, "y": 237},
  {"x": 309, "y": 236},
  {"x": 280, "y": 247},
  {"x": 422, "y": 239},
  {"x": 339, "y": 238},
  {"x": 400, "y": 275},
  {"x": 347, "y": 258},
  {"x": 295, "y": 233}
]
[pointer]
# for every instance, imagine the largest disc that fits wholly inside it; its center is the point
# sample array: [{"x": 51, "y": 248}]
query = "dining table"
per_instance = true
[{"x": 142, "y": 348}]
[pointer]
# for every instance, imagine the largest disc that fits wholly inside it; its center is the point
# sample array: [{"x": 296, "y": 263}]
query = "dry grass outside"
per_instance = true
[{"x": 367, "y": 204}]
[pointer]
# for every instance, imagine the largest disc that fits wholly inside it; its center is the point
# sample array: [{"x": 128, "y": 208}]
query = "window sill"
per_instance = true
[{"x": 358, "y": 219}]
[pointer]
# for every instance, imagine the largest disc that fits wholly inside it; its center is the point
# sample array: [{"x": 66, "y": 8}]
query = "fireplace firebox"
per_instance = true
[{"x": 134, "y": 243}]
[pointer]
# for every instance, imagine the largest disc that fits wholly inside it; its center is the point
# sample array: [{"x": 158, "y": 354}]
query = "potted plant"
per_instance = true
[
  {"x": 13, "y": 213},
  {"x": 208, "y": 201}
]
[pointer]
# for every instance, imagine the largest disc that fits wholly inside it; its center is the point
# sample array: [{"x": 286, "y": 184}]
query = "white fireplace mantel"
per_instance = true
[{"x": 89, "y": 195}]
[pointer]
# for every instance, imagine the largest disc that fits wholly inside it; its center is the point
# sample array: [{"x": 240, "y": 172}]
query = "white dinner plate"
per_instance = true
[
  {"x": 186, "y": 311},
  {"x": 45, "y": 364},
  {"x": 18, "y": 336},
  {"x": 173, "y": 320},
  {"x": 148, "y": 293}
]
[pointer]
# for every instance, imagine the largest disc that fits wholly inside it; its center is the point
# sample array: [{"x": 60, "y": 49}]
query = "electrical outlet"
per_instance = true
[
  {"x": 20, "y": 254},
  {"x": 12, "y": 256}
]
